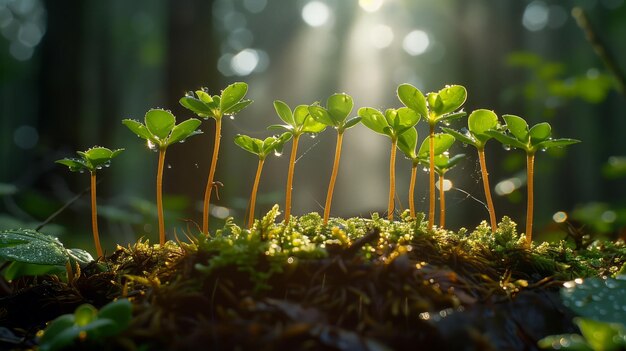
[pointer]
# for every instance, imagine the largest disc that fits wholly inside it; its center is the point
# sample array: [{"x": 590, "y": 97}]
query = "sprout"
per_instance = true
[
  {"x": 92, "y": 160},
  {"x": 297, "y": 122},
  {"x": 392, "y": 124},
  {"x": 229, "y": 103},
  {"x": 160, "y": 131},
  {"x": 261, "y": 148},
  {"x": 407, "y": 143},
  {"x": 479, "y": 122},
  {"x": 339, "y": 107},
  {"x": 530, "y": 140},
  {"x": 436, "y": 107}
]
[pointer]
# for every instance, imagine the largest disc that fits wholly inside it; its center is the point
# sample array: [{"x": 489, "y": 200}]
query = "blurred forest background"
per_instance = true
[{"x": 70, "y": 71}]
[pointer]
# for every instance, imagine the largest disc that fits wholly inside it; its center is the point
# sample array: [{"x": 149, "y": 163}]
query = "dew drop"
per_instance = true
[
  {"x": 169, "y": 166},
  {"x": 231, "y": 117},
  {"x": 506, "y": 147},
  {"x": 313, "y": 136},
  {"x": 205, "y": 89},
  {"x": 189, "y": 94},
  {"x": 278, "y": 154},
  {"x": 425, "y": 169}
]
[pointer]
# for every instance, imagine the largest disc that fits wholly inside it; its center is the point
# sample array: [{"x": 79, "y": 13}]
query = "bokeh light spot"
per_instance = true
[
  {"x": 381, "y": 36},
  {"x": 244, "y": 62},
  {"x": 371, "y": 5},
  {"x": 25, "y": 137},
  {"x": 416, "y": 42},
  {"x": 535, "y": 16},
  {"x": 315, "y": 13}
]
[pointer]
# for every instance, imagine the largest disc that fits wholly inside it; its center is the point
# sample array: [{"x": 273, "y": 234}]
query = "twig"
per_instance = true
[{"x": 600, "y": 48}]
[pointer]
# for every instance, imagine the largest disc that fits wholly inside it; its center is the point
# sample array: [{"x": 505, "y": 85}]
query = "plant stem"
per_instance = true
[
  {"x": 530, "y": 171},
  {"x": 442, "y": 203},
  {"x": 209, "y": 184},
  {"x": 485, "y": 176},
  {"x": 159, "y": 195},
  {"x": 333, "y": 178},
  {"x": 431, "y": 178},
  {"x": 392, "y": 179},
  {"x": 412, "y": 189},
  {"x": 94, "y": 215},
  {"x": 292, "y": 163},
  {"x": 255, "y": 187}
]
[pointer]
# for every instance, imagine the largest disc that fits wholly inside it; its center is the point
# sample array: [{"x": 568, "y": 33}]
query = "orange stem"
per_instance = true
[
  {"x": 159, "y": 195},
  {"x": 412, "y": 190},
  {"x": 442, "y": 203},
  {"x": 333, "y": 178},
  {"x": 209, "y": 184},
  {"x": 94, "y": 215},
  {"x": 255, "y": 187},
  {"x": 431, "y": 178},
  {"x": 392, "y": 180},
  {"x": 485, "y": 176},
  {"x": 292, "y": 163},
  {"x": 530, "y": 168}
]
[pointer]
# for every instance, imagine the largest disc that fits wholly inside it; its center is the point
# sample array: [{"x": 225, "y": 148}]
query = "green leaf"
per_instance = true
[
  {"x": 249, "y": 144},
  {"x": 30, "y": 246},
  {"x": 460, "y": 137},
  {"x": 480, "y": 121},
  {"x": 540, "y": 132},
  {"x": 99, "y": 156},
  {"x": 204, "y": 97},
  {"x": 601, "y": 336},
  {"x": 21, "y": 269},
  {"x": 160, "y": 122},
  {"x": 56, "y": 335},
  {"x": 442, "y": 143},
  {"x": 407, "y": 142},
  {"x": 451, "y": 116},
  {"x": 596, "y": 298},
  {"x": 517, "y": 126},
  {"x": 85, "y": 314},
  {"x": 281, "y": 127},
  {"x": 138, "y": 128},
  {"x": 351, "y": 122},
  {"x": 506, "y": 139},
  {"x": 231, "y": 95},
  {"x": 373, "y": 119},
  {"x": 236, "y": 108},
  {"x": 413, "y": 98},
  {"x": 321, "y": 115},
  {"x": 301, "y": 114},
  {"x": 406, "y": 119},
  {"x": 435, "y": 104},
  {"x": 339, "y": 107},
  {"x": 73, "y": 164},
  {"x": 451, "y": 98},
  {"x": 120, "y": 312},
  {"x": 184, "y": 130},
  {"x": 556, "y": 143},
  {"x": 284, "y": 112},
  {"x": 196, "y": 106}
]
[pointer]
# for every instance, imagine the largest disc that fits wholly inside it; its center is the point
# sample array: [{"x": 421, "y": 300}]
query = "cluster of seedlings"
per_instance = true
[{"x": 160, "y": 131}]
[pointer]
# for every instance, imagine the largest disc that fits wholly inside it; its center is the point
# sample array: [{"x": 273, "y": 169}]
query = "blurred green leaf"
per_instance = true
[
  {"x": 614, "y": 168},
  {"x": 540, "y": 132}
]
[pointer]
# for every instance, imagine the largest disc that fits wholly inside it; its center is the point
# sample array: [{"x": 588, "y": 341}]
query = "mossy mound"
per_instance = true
[{"x": 354, "y": 284}]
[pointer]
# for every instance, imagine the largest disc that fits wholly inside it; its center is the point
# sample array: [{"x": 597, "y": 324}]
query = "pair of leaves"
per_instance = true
[
  {"x": 407, "y": 143},
  {"x": 262, "y": 148},
  {"x": 338, "y": 108},
  {"x": 479, "y": 123},
  {"x": 528, "y": 139},
  {"x": 392, "y": 124},
  {"x": 96, "y": 325},
  {"x": 30, "y": 246},
  {"x": 160, "y": 128},
  {"x": 90, "y": 160},
  {"x": 298, "y": 121},
  {"x": 435, "y": 107},
  {"x": 230, "y": 102}
]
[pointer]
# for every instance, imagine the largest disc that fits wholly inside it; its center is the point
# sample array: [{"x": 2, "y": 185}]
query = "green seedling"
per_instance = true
[
  {"x": 229, "y": 103},
  {"x": 298, "y": 122},
  {"x": 443, "y": 163},
  {"x": 436, "y": 107},
  {"x": 530, "y": 140},
  {"x": 261, "y": 148},
  {"x": 87, "y": 324},
  {"x": 92, "y": 160},
  {"x": 392, "y": 124},
  {"x": 160, "y": 131},
  {"x": 407, "y": 143},
  {"x": 479, "y": 122},
  {"x": 335, "y": 115}
]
